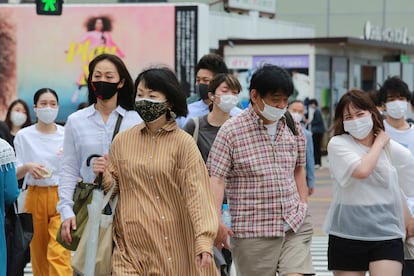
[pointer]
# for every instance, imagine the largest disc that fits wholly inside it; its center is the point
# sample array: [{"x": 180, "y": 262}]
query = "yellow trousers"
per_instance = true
[{"x": 47, "y": 256}]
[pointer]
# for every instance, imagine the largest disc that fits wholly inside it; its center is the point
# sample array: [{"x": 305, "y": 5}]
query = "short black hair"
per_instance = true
[
  {"x": 232, "y": 82},
  {"x": 412, "y": 99},
  {"x": 270, "y": 79},
  {"x": 42, "y": 91},
  {"x": 213, "y": 63},
  {"x": 313, "y": 101},
  {"x": 126, "y": 94},
  {"x": 393, "y": 86},
  {"x": 164, "y": 80}
]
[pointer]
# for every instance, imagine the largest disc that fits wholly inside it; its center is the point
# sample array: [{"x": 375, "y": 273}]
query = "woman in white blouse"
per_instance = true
[
  {"x": 39, "y": 155},
  {"x": 90, "y": 130},
  {"x": 366, "y": 219}
]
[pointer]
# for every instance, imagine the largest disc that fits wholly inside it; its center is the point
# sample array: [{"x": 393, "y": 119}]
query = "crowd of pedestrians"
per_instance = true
[{"x": 175, "y": 161}]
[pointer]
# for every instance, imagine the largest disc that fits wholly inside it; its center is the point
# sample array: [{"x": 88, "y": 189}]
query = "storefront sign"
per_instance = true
[
  {"x": 288, "y": 61},
  {"x": 394, "y": 35}
]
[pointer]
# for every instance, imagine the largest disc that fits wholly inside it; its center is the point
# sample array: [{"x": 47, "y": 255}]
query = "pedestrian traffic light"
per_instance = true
[{"x": 49, "y": 7}]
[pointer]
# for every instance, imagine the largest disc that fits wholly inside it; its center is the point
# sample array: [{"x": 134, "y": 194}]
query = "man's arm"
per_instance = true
[
  {"x": 218, "y": 190},
  {"x": 300, "y": 178}
]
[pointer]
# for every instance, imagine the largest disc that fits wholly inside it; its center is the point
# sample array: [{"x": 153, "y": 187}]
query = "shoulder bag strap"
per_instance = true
[
  {"x": 196, "y": 128},
  {"x": 117, "y": 126}
]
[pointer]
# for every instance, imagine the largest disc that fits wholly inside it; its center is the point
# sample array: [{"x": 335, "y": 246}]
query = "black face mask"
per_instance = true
[
  {"x": 104, "y": 90},
  {"x": 202, "y": 90},
  {"x": 149, "y": 110}
]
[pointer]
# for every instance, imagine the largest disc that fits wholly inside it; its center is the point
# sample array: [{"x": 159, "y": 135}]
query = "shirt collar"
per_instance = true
[{"x": 90, "y": 110}]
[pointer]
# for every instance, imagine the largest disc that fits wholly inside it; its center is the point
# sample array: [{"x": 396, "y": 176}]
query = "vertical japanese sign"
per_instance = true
[{"x": 186, "y": 25}]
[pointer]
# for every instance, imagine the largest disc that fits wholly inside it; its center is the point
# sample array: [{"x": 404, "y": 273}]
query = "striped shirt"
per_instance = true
[
  {"x": 165, "y": 214},
  {"x": 259, "y": 175},
  {"x": 86, "y": 134}
]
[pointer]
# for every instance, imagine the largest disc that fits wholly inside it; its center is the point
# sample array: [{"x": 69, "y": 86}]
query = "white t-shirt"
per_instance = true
[
  {"x": 367, "y": 209},
  {"x": 32, "y": 145},
  {"x": 405, "y": 138}
]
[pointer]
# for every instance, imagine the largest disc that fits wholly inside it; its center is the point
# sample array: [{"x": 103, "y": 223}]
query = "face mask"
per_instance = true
[
  {"x": 359, "y": 128},
  {"x": 227, "y": 102},
  {"x": 202, "y": 90},
  {"x": 271, "y": 113},
  {"x": 18, "y": 118},
  {"x": 104, "y": 90},
  {"x": 298, "y": 117},
  {"x": 47, "y": 115},
  {"x": 150, "y": 110},
  {"x": 396, "y": 109}
]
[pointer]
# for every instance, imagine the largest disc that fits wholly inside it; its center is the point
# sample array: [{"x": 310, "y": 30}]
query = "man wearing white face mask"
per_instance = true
[
  {"x": 297, "y": 109},
  {"x": 259, "y": 161},
  {"x": 395, "y": 95}
]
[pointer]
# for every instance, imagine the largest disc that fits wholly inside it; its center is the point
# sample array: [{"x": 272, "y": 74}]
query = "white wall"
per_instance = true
[{"x": 224, "y": 25}]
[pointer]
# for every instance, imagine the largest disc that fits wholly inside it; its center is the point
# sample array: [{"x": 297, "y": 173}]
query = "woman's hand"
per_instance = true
[
  {"x": 67, "y": 225},
  {"x": 204, "y": 259},
  {"x": 99, "y": 164},
  {"x": 36, "y": 170},
  {"x": 382, "y": 138}
]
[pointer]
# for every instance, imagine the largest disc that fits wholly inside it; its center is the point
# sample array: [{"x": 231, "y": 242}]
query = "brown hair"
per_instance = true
[
  {"x": 358, "y": 99},
  {"x": 229, "y": 79}
]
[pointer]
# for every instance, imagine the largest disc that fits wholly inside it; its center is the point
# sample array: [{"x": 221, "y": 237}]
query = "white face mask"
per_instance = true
[
  {"x": 18, "y": 118},
  {"x": 227, "y": 102},
  {"x": 396, "y": 109},
  {"x": 359, "y": 128},
  {"x": 297, "y": 116},
  {"x": 271, "y": 113},
  {"x": 47, "y": 115}
]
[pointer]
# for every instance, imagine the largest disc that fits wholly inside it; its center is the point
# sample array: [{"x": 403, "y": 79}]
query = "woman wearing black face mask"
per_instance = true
[
  {"x": 90, "y": 130},
  {"x": 166, "y": 222}
]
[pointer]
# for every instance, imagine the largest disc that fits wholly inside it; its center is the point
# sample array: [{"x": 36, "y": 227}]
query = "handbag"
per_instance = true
[
  {"x": 81, "y": 198},
  {"x": 19, "y": 234},
  {"x": 103, "y": 263}
]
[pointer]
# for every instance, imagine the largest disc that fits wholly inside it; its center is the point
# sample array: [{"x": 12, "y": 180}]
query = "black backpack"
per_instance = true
[{"x": 290, "y": 123}]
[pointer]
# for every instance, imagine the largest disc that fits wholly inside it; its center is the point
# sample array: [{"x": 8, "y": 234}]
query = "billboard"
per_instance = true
[{"x": 54, "y": 51}]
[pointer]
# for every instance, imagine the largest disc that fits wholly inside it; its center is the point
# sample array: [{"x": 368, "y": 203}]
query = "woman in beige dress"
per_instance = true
[{"x": 165, "y": 222}]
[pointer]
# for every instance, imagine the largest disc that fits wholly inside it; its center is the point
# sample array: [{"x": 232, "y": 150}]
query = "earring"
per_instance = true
[{"x": 171, "y": 113}]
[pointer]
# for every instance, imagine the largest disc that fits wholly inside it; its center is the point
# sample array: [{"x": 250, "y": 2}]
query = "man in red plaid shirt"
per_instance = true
[{"x": 260, "y": 162}]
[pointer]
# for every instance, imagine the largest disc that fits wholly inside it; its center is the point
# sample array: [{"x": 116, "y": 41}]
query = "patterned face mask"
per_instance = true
[{"x": 150, "y": 110}]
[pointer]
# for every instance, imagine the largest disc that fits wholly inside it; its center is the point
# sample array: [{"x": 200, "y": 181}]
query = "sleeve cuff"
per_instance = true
[
  {"x": 66, "y": 213},
  {"x": 203, "y": 244}
]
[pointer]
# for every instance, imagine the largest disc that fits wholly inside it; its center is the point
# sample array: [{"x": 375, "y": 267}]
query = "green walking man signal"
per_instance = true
[{"x": 49, "y": 7}]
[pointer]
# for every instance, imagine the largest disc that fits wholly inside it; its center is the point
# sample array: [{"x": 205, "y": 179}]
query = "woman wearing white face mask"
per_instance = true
[
  {"x": 38, "y": 153},
  {"x": 366, "y": 219},
  {"x": 223, "y": 91},
  {"x": 17, "y": 117}
]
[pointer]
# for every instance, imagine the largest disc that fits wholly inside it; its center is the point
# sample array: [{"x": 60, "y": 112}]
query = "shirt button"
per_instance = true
[
  {"x": 169, "y": 259},
  {"x": 157, "y": 197},
  {"x": 162, "y": 217},
  {"x": 166, "y": 238}
]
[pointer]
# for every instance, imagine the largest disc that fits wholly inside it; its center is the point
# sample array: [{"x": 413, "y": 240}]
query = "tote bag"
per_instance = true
[{"x": 103, "y": 262}]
